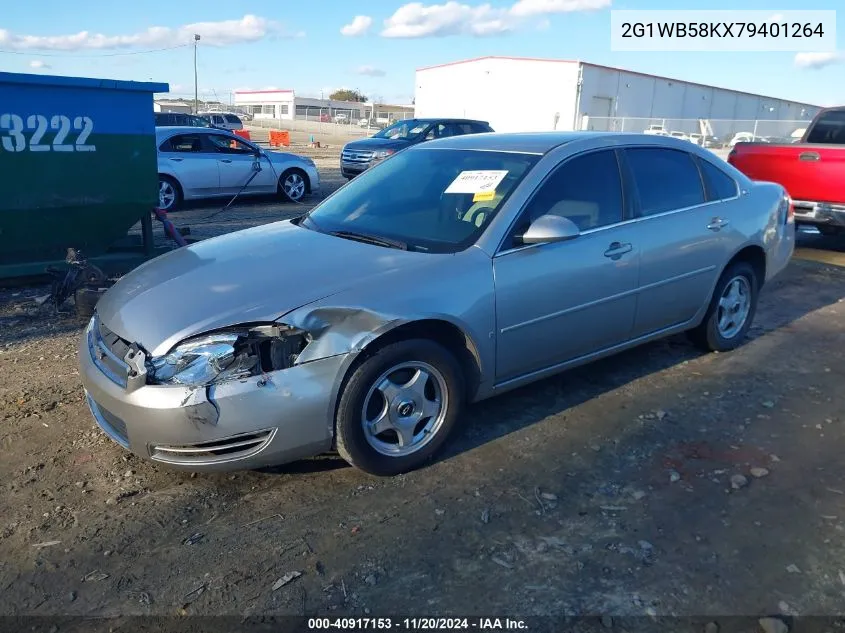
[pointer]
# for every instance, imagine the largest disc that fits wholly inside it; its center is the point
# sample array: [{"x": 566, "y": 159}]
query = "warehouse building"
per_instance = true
[
  {"x": 286, "y": 105},
  {"x": 520, "y": 94}
]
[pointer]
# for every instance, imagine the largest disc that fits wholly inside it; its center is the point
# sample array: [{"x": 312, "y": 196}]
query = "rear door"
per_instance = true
[
  {"x": 239, "y": 167},
  {"x": 192, "y": 163},
  {"x": 684, "y": 237}
]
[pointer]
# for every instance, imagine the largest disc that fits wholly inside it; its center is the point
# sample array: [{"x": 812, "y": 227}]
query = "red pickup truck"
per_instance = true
[{"x": 812, "y": 171}]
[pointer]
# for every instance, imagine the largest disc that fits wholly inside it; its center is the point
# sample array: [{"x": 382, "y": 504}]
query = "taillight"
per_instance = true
[{"x": 790, "y": 208}]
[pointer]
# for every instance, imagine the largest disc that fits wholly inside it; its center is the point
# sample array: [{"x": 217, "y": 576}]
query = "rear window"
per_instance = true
[
  {"x": 231, "y": 118},
  {"x": 720, "y": 186},
  {"x": 829, "y": 129},
  {"x": 666, "y": 179}
]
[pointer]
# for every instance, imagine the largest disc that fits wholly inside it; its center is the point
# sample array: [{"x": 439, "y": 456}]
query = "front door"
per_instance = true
[
  {"x": 557, "y": 302},
  {"x": 193, "y": 163},
  {"x": 681, "y": 235},
  {"x": 237, "y": 162}
]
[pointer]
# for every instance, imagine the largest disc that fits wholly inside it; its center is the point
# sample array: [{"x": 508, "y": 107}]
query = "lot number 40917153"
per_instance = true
[{"x": 19, "y": 134}]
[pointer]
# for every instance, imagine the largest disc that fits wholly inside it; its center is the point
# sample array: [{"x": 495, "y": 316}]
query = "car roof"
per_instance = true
[
  {"x": 164, "y": 131},
  {"x": 544, "y": 142}
]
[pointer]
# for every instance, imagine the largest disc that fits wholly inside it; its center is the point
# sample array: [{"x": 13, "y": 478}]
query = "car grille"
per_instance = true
[
  {"x": 112, "y": 425},
  {"x": 108, "y": 351},
  {"x": 223, "y": 450},
  {"x": 356, "y": 156}
]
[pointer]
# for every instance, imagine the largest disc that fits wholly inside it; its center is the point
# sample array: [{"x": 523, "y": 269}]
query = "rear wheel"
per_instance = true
[
  {"x": 731, "y": 310},
  {"x": 169, "y": 193},
  {"x": 398, "y": 407}
]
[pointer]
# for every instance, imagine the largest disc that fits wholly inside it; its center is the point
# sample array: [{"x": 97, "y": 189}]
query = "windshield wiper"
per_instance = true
[{"x": 371, "y": 239}]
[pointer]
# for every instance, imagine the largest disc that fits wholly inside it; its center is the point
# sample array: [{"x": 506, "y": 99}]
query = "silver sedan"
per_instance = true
[
  {"x": 452, "y": 272},
  {"x": 196, "y": 163}
]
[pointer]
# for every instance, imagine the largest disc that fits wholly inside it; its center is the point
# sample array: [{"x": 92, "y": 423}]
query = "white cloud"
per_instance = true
[
  {"x": 452, "y": 18},
  {"x": 529, "y": 8},
  {"x": 370, "y": 71},
  {"x": 39, "y": 65},
  {"x": 415, "y": 19},
  {"x": 359, "y": 26},
  {"x": 818, "y": 60},
  {"x": 249, "y": 28}
]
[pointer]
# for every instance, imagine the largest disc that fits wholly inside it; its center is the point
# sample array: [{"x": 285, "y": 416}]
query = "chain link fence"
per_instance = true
[
  {"x": 715, "y": 133},
  {"x": 334, "y": 121}
]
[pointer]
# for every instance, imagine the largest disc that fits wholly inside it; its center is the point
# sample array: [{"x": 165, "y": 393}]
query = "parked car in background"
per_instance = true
[
  {"x": 180, "y": 119},
  {"x": 680, "y": 136},
  {"x": 196, "y": 163},
  {"x": 741, "y": 137},
  {"x": 455, "y": 271},
  {"x": 656, "y": 130},
  {"x": 341, "y": 117},
  {"x": 362, "y": 154},
  {"x": 813, "y": 171},
  {"x": 224, "y": 120}
]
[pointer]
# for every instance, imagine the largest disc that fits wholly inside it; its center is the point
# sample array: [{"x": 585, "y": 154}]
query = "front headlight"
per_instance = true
[
  {"x": 383, "y": 153},
  {"x": 222, "y": 356}
]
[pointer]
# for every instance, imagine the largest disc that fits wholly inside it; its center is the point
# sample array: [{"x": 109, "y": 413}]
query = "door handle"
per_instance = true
[
  {"x": 225, "y": 160},
  {"x": 177, "y": 160},
  {"x": 617, "y": 250},
  {"x": 717, "y": 224},
  {"x": 809, "y": 156}
]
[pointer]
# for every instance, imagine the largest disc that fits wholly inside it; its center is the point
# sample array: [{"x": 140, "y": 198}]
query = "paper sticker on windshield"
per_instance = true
[
  {"x": 484, "y": 196},
  {"x": 477, "y": 181}
]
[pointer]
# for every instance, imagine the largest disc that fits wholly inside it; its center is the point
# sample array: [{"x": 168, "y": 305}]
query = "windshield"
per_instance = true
[
  {"x": 403, "y": 130},
  {"x": 430, "y": 200}
]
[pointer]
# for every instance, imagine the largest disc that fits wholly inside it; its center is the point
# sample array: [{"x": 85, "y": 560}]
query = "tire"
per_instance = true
[
  {"x": 828, "y": 230},
  {"x": 395, "y": 366},
  {"x": 293, "y": 185},
  {"x": 173, "y": 199},
  {"x": 741, "y": 278}
]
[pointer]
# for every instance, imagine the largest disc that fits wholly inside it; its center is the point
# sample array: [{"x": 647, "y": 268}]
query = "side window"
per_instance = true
[
  {"x": 719, "y": 185},
  {"x": 666, "y": 179},
  {"x": 477, "y": 128},
  {"x": 229, "y": 145},
  {"x": 463, "y": 128},
  {"x": 231, "y": 118},
  {"x": 586, "y": 189},
  {"x": 183, "y": 143},
  {"x": 217, "y": 119}
]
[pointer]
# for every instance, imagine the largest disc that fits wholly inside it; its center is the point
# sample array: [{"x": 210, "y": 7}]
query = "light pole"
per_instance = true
[{"x": 196, "y": 85}]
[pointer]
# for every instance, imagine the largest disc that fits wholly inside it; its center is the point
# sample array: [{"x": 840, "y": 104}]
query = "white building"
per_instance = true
[
  {"x": 285, "y": 105},
  {"x": 519, "y": 94}
]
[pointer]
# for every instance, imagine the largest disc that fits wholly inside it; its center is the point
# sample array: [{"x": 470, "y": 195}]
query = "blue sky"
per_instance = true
[{"x": 321, "y": 45}]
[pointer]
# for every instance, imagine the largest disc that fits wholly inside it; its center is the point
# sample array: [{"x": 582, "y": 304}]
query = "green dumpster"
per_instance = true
[{"x": 78, "y": 164}]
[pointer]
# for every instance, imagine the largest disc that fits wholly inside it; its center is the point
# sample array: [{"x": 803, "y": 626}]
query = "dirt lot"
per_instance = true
[{"x": 612, "y": 489}]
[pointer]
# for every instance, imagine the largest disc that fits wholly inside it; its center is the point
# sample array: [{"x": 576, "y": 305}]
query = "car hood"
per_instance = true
[
  {"x": 376, "y": 144},
  {"x": 250, "y": 276}
]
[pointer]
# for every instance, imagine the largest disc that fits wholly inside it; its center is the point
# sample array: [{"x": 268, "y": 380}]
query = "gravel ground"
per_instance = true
[{"x": 660, "y": 481}]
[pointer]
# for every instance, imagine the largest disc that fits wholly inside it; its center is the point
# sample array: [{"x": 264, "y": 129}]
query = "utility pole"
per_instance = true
[{"x": 196, "y": 85}]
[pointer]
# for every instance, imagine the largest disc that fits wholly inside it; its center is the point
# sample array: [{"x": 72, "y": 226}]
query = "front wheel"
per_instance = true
[
  {"x": 731, "y": 310},
  {"x": 293, "y": 185},
  {"x": 398, "y": 407}
]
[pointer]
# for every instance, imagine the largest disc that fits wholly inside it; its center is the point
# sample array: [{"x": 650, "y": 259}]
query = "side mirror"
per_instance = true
[{"x": 550, "y": 228}]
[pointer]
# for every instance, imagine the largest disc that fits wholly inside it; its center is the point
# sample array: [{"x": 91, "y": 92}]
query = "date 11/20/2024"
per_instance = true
[
  {"x": 21, "y": 134},
  {"x": 417, "y": 624}
]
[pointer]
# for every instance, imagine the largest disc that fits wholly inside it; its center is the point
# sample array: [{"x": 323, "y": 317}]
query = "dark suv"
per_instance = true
[
  {"x": 180, "y": 119},
  {"x": 359, "y": 155}
]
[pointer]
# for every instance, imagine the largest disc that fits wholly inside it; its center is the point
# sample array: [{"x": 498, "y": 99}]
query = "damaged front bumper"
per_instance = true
[{"x": 253, "y": 422}]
